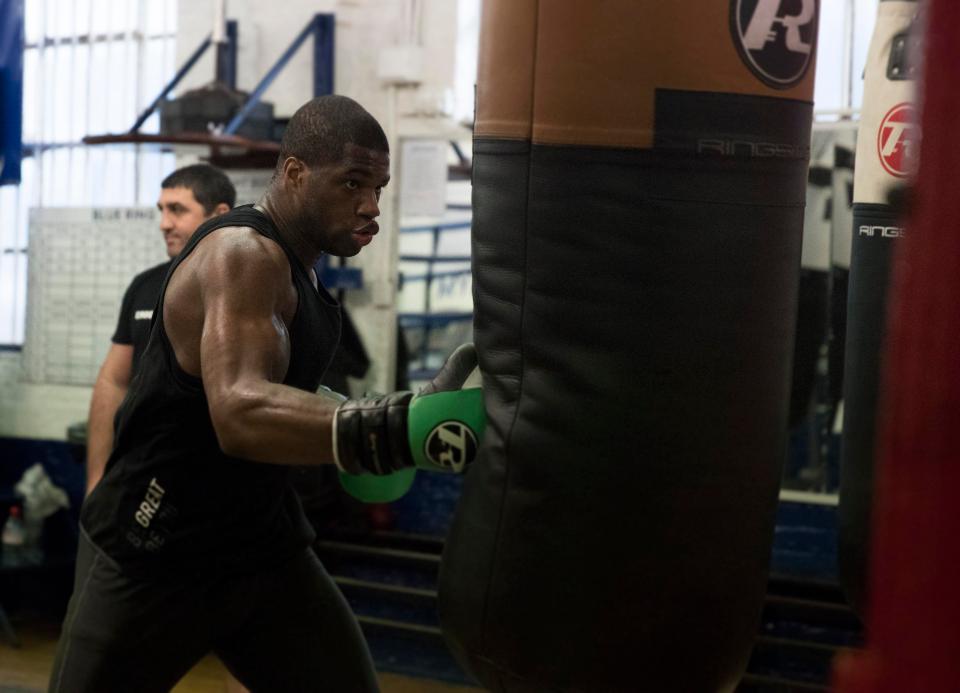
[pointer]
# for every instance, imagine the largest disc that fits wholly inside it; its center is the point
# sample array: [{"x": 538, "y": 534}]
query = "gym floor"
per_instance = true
[{"x": 25, "y": 669}]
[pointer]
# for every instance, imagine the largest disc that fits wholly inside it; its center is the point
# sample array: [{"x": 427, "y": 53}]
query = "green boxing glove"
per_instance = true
[{"x": 439, "y": 429}]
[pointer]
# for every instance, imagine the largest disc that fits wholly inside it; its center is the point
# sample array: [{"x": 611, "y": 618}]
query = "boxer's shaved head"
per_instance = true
[{"x": 320, "y": 130}]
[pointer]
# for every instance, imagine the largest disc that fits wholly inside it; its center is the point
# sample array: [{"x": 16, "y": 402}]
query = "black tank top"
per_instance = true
[{"x": 169, "y": 495}]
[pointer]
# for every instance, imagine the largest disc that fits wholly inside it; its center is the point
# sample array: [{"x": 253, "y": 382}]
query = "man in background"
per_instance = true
[{"x": 188, "y": 197}]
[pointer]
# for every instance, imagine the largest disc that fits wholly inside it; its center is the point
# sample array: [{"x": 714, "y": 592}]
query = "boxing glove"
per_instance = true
[{"x": 438, "y": 429}]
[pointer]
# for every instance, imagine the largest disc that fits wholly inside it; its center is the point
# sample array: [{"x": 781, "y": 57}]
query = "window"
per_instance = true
[
  {"x": 468, "y": 38},
  {"x": 90, "y": 67},
  {"x": 845, "y": 31}
]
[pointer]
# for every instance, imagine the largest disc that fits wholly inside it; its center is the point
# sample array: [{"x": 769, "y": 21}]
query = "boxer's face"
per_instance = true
[
  {"x": 342, "y": 199},
  {"x": 180, "y": 215}
]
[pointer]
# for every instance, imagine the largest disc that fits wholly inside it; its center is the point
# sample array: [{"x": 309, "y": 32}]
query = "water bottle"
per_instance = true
[{"x": 14, "y": 536}]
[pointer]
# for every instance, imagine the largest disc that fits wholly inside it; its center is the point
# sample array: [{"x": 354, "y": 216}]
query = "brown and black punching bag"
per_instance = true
[
  {"x": 638, "y": 192},
  {"x": 887, "y": 148}
]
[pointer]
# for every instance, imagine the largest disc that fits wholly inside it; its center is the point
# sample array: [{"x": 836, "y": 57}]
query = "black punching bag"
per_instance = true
[
  {"x": 639, "y": 175},
  {"x": 886, "y": 153}
]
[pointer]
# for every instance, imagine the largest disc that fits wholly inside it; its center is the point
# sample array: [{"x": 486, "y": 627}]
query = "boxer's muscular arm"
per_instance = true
[
  {"x": 244, "y": 351},
  {"x": 226, "y": 314}
]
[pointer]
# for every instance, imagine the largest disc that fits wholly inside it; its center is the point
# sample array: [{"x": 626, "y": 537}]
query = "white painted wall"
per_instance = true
[
  {"x": 363, "y": 28},
  {"x": 37, "y": 411}
]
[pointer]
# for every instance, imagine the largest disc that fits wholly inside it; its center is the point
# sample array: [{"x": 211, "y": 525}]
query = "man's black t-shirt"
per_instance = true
[
  {"x": 133, "y": 326},
  {"x": 170, "y": 497}
]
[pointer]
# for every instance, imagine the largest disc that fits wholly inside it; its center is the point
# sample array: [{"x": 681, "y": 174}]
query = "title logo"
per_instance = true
[
  {"x": 451, "y": 444},
  {"x": 151, "y": 503},
  {"x": 775, "y": 38},
  {"x": 897, "y": 141}
]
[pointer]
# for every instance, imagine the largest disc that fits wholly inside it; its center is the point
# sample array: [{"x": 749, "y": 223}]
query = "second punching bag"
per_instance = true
[
  {"x": 886, "y": 148},
  {"x": 638, "y": 194}
]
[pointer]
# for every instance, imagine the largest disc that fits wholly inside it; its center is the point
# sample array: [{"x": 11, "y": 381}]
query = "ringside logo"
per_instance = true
[
  {"x": 896, "y": 141},
  {"x": 775, "y": 38},
  {"x": 875, "y": 231},
  {"x": 451, "y": 444}
]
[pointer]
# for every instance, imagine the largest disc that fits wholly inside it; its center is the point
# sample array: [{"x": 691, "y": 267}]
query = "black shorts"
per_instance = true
[{"x": 284, "y": 628}]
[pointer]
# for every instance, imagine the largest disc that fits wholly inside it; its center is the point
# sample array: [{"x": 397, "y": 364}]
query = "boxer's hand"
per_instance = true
[{"x": 439, "y": 429}]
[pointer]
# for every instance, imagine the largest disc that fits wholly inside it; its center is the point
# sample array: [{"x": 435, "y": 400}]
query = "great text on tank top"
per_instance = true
[{"x": 170, "y": 497}]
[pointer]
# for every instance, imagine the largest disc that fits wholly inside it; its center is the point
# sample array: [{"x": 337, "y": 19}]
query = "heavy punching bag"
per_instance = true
[
  {"x": 639, "y": 173},
  {"x": 886, "y": 149}
]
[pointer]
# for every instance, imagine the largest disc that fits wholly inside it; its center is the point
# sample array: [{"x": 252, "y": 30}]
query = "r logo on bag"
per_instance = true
[
  {"x": 775, "y": 38},
  {"x": 451, "y": 444},
  {"x": 896, "y": 141}
]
